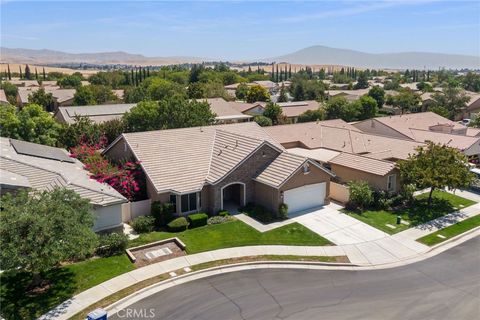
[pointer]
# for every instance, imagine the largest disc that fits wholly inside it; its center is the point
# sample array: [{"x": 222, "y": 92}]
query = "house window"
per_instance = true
[
  {"x": 189, "y": 202},
  {"x": 173, "y": 201},
  {"x": 391, "y": 182}
]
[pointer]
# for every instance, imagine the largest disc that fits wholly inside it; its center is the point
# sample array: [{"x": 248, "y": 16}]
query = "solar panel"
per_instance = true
[{"x": 40, "y": 151}]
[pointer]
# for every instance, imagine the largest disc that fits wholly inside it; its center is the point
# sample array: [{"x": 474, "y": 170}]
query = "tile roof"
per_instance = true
[
  {"x": 96, "y": 113},
  {"x": 47, "y": 174},
  {"x": 453, "y": 140},
  {"x": 224, "y": 110},
  {"x": 245, "y": 106},
  {"x": 183, "y": 160},
  {"x": 61, "y": 95},
  {"x": 3, "y": 96},
  {"x": 296, "y": 108},
  {"x": 320, "y": 154},
  {"x": 343, "y": 137},
  {"x": 365, "y": 164}
]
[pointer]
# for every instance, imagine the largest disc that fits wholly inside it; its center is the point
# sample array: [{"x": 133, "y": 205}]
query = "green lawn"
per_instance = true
[
  {"x": 72, "y": 279},
  {"x": 443, "y": 203},
  {"x": 236, "y": 234},
  {"x": 451, "y": 231}
]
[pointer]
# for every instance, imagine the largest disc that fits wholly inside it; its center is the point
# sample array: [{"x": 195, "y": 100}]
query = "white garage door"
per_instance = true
[{"x": 305, "y": 197}]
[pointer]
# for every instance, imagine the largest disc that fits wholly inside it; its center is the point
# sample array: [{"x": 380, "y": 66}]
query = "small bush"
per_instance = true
[
  {"x": 163, "y": 213},
  {"x": 219, "y": 219},
  {"x": 143, "y": 224},
  {"x": 198, "y": 220},
  {"x": 111, "y": 244},
  {"x": 224, "y": 213},
  {"x": 283, "y": 211},
  {"x": 361, "y": 195},
  {"x": 179, "y": 224}
]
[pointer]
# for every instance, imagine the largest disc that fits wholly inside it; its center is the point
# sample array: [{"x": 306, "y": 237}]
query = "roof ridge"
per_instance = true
[
  {"x": 239, "y": 134},
  {"x": 364, "y": 156},
  {"x": 99, "y": 191},
  {"x": 211, "y": 154}
]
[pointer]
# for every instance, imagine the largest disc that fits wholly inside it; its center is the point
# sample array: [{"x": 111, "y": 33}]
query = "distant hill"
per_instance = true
[
  {"x": 45, "y": 56},
  {"x": 403, "y": 60}
]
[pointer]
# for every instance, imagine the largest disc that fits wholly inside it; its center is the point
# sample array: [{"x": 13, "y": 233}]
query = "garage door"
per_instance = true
[{"x": 306, "y": 197}]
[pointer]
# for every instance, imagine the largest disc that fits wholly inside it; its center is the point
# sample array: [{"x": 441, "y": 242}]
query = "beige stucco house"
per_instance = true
[{"x": 223, "y": 167}]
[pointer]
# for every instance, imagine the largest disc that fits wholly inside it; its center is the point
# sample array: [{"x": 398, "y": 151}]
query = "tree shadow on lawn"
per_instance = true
[
  {"x": 19, "y": 303},
  {"x": 421, "y": 213}
]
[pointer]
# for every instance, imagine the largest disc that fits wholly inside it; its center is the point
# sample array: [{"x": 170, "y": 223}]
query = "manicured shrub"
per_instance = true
[
  {"x": 198, "y": 220},
  {"x": 143, "y": 224},
  {"x": 283, "y": 211},
  {"x": 179, "y": 224},
  {"x": 361, "y": 195},
  {"x": 112, "y": 243},
  {"x": 219, "y": 219},
  {"x": 163, "y": 213},
  {"x": 224, "y": 213}
]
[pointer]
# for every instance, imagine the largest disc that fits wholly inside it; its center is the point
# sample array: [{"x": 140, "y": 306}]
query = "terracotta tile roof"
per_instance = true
[
  {"x": 282, "y": 168},
  {"x": 3, "y": 96},
  {"x": 96, "y": 113},
  {"x": 47, "y": 174},
  {"x": 224, "y": 109},
  {"x": 340, "y": 136},
  {"x": 245, "y": 106},
  {"x": 183, "y": 160},
  {"x": 365, "y": 164},
  {"x": 453, "y": 140},
  {"x": 294, "y": 109}
]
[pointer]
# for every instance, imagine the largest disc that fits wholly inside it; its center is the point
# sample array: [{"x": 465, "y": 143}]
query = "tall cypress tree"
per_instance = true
[
  {"x": 289, "y": 71},
  {"x": 20, "y": 68},
  {"x": 28, "y": 73},
  {"x": 273, "y": 72},
  {"x": 132, "y": 77},
  {"x": 9, "y": 73},
  {"x": 136, "y": 77},
  {"x": 277, "y": 74},
  {"x": 148, "y": 72},
  {"x": 36, "y": 74},
  {"x": 144, "y": 74},
  {"x": 44, "y": 74}
]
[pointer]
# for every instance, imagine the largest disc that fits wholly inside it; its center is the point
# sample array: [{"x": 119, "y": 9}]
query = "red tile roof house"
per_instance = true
[
  {"x": 350, "y": 153},
  {"x": 220, "y": 167}
]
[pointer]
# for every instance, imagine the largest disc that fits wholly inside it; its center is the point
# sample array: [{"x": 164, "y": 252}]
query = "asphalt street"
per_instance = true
[{"x": 446, "y": 286}]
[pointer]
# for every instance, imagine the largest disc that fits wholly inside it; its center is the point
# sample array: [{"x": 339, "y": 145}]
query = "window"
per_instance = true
[
  {"x": 173, "y": 201},
  {"x": 391, "y": 182},
  {"x": 189, "y": 202}
]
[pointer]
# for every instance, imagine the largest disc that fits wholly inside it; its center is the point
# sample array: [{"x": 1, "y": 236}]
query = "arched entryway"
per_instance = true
[{"x": 233, "y": 196}]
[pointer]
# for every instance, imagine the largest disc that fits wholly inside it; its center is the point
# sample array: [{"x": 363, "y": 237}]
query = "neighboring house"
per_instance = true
[
  {"x": 423, "y": 127},
  {"x": 225, "y": 112},
  {"x": 339, "y": 146},
  {"x": 29, "y": 165},
  {"x": 251, "y": 109},
  {"x": 292, "y": 110},
  {"x": 350, "y": 95},
  {"x": 3, "y": 98},
  {"x": 473, "y": 106},
  {"x": 24, "y": 83},
  {"x": 270, "y": 86},
  {"x": 96, "y": 113},
  {"x": 222, "y": 167},
  {"x": 62, "y": 97}
]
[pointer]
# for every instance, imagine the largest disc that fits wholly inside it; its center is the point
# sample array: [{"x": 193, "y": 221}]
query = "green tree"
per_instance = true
[
  {"x": 28, "y": 73},
  {"x": 368, "y": 107},
  {"x": 283, "y": 94},
  {"x": 257, "y": 93},
  {"x": 362, "y": 81},
  {"x": 242, "y": 91},
  {"x": 37, "y": 125},
  {"x": 453, "y": 98},
  {"x": 195, "y": 73},
  {"x": 82, "y": 130},
  {"x": 360, "y": 194},
  {"x": 424, "y": 86},
  {"x": 40, "y": 230},
  {"x": 102, "y": 94},
  {"x": 312, "y": 115},
  {"x": 340, "y": 108},
  {"x": 9, "y": 122},
  {"x": 442, "y": 111},
  {"x": 377, "y": 93},
  {"x": 471, "y": 82},
  {"x": 274, "y": 112},
  {"x": 136, "y": 94},
  {"x": 84, "y": 96},
  {"x": 263, "y": 121},
  {"x": 143, "y": 117},
  {"x": 196, "y": 90},
  {"x": 42, "y": 98},
  {"x": 11, "y": 91},
  {"x": 71, "y": 82},
  {"x": 406, "y": 100},
  {"x": 436, "y": 166}
]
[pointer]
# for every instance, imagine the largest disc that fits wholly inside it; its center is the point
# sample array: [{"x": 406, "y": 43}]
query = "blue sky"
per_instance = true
[{"x": 241, "y": 29}]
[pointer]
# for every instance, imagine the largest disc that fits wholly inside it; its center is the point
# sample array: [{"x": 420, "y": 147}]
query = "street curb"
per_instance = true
[
  {"x": 204, "y": 273},
  {"x": 457, "y": 237}
]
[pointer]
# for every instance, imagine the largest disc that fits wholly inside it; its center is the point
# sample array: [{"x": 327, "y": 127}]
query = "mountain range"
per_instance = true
[{"x": 315, "y": 55}]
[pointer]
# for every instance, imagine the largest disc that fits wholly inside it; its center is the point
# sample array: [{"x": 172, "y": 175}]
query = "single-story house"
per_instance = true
[
  {"x": 350, "y": 95},
  {"x": 24, "y": 83},
  {"x": 62, "y": 97},
  {"x": 473, "y": 106},
  {"x": 29, "y": 165},
  {"x": 222, "y": 167},
  {"x": 96, "y": 113},
  {"x": 423, "y": 127},
  {"x": 225, "y": 112},
  {"x": 251, "y": 109},
  {"x": 331, "y": 142}
]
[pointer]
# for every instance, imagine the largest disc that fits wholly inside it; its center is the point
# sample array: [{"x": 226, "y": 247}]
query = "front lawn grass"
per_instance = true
[
  {"x": 443, "y": 203},
  {"x": 236, "y": 234},
  {"x": 69, "y": 280},
  {"x": 451, "y": 231}
]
